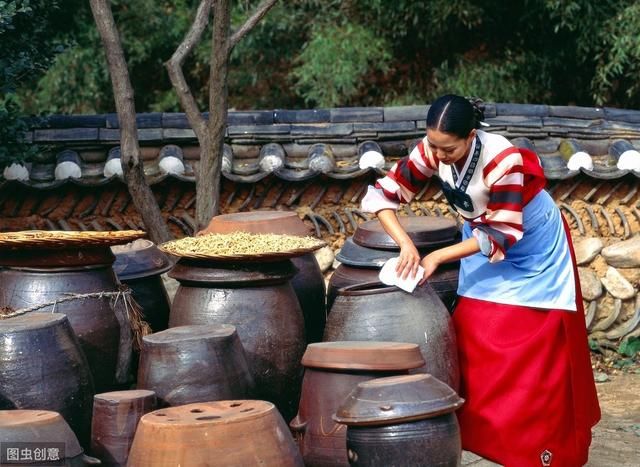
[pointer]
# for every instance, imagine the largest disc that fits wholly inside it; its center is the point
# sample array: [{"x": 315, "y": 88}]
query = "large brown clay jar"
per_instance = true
[
  {"x": 28, "y": 279},
  {"x": 43, "y": 367},
  {"x": 198, "y": 363},
  {"x": 332, "y": 371},
  {"x": 227, "y": 434},
  {"x": 259, "y": 301},
  {"x": 308, "y": 282},
  {"x": 391, "y": 314},
  {"x": 114, "y": 422}
]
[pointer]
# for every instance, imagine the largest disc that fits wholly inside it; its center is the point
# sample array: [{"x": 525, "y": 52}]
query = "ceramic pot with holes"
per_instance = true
[
  {"x": 332, "y": 371},
  {"x": 114, "y": 421},
  {"x": 307, "y": 282},
  {"x": 225, "y": 433},
  {"x": 393, "y": 315},
  {"x": 43, "y": 367},
  {"x": 402, "y": 420},
  {"x": 256, "y": 298},
  {"x": 197, "y": 363},
  {"x": 363, "y": 255},
  {"x": 49, "y": 430}
]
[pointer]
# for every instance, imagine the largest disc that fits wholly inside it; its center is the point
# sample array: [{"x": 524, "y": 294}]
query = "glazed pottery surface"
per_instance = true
[
  {"x": 52, "y": 275},
  {"x": 139, "y": 265},
  {"x": 43, "y": 367},
  {"x": 391, "y": 314},
  {"x": 197, "y": 363},
  {"x": 236, "y": 433},
  {"x": 308, "y": 282},
  {"x": 402, "y": 420},
  {"x": 397, "y": 399},
  {"x": 425, "y": 232},
  {"x": 444, "y": 281},
  {"x": 49, "y": 430},
  {"x": 113, "y": 425},
  {"x": 259, "y": 301},
  {"x": 332, "y": 371},
  {"x": 433, "y": 442}
]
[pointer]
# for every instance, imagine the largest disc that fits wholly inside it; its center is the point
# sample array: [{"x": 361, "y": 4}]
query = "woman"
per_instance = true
[{"x": 524, "y": 360}]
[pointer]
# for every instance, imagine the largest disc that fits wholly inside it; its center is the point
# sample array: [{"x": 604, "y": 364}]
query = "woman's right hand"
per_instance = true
[{"x": 408, "y": 261}]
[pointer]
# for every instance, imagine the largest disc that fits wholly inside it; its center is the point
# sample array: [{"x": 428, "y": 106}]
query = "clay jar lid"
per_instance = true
[
  {"x": 424, "y": 231},
  {"x": 275, "y": 222},
  {"x": 140, "y": 258},
  {"x": 38, "y": 426},
  {"x": 397, "y": 399},
  {"x": 207, "y": 413},
  {"x": 362, "y": 355},
  {"x": 193, "y": 332}
]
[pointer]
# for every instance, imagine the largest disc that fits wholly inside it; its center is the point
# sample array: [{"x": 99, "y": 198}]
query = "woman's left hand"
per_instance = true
[{"x": 430, "y": 263}]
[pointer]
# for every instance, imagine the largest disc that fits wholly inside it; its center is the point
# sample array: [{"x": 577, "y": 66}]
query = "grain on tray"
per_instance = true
[{"x": 240, "y": 243}]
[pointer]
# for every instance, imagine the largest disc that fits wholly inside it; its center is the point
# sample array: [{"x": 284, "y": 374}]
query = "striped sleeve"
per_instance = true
[
  {"x": 502, "y": 222},
  {"x": 407, "y": 177}
]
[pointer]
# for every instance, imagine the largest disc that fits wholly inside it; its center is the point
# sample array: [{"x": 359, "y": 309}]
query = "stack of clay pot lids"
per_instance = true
[
  {"x": 139, "y": 258},
  {"x": 424, "y": 231},
  {"x": 363, "y": 355},
  {"x": 276, "y": 222},
  {"x": 397, "y": 399}
]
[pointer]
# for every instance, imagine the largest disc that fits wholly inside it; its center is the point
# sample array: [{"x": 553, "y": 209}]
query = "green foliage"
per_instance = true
[
  {"x": 334, "y": 63},
  {"x": 345, "y": 52},
  {"x": 29, "y": 37},
  {"x": 13, "y": 147},
  {"x": 630, "y": 347},
  {"x": 500, "y": 80}
]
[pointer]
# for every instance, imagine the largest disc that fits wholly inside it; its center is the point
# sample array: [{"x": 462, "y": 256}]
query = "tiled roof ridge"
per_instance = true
[{"x": 296, "y": 145}]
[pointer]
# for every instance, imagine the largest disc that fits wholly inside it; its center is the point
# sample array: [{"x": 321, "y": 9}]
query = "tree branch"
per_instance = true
[
  {"x": 176, "y": 75},
  {"x": 250, "y": 23}
]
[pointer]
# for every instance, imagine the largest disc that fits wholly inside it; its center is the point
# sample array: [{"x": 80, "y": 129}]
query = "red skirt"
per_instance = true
[{"x": 527, "y": 381}]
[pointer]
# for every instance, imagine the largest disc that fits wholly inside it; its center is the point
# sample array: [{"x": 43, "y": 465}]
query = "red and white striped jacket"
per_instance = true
[{"x": 504, "y": 181}]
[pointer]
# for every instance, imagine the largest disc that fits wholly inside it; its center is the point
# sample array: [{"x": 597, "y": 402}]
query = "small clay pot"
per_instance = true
[
  {"x": 402, "y": 420},
  {"x": 227, "y": 434},
  {"x": 140, "y": 265},
  {"x": 197, "y": 363},
  {"x": 114, "y": 422}
]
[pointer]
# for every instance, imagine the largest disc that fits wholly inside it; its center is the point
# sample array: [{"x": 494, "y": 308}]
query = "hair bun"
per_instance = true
[{"x": 478, "y": 109}]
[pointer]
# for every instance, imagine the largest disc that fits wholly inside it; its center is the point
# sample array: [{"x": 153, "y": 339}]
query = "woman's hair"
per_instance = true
[{"x": 455, "y": 114}]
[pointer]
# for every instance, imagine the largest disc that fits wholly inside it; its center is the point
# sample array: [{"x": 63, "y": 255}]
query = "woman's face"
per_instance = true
[{"x": 449, "y": 148}]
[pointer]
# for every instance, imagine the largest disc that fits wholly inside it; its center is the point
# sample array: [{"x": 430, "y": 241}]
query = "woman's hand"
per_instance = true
[
  {"x": 408, "y": 261},
  {"x": 430, "y": 263}
]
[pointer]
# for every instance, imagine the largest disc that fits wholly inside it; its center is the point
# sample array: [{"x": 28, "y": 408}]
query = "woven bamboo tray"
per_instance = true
[
  {"x": 173, "y": 248},
  {"x": 66, "y": 239}
]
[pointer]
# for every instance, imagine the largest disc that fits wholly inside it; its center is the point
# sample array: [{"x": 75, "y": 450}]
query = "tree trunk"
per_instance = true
[
  {"x": 209, "y": 175},
  {"x": 132, "y": 167}
]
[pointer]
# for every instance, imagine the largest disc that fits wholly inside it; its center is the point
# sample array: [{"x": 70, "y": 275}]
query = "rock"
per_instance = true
[
  {"x": 601, "y": 377},
  {"x": 336, "y": 264},
  {"x": 587, "y": 249},
  {"x": 590, "y": 284},
  {"x": 624, "y": 254},
  {"x": 617, "y": 285},
  {"x": 324, "y": 257}
]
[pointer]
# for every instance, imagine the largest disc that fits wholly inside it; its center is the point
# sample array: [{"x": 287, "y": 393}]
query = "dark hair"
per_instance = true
[{"x": 455, "y": 114}]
